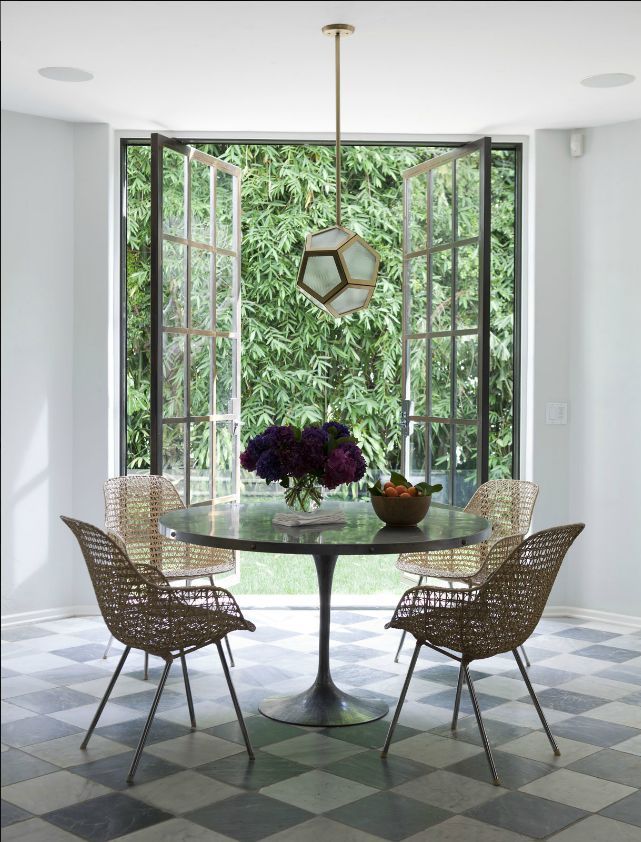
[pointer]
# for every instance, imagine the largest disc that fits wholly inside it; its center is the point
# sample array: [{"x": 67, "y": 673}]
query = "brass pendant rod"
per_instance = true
[{"x": 337, "y": 43}]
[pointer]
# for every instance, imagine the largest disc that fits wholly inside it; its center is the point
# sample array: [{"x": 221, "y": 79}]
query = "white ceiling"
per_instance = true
[{"x": 411, "y": 67}]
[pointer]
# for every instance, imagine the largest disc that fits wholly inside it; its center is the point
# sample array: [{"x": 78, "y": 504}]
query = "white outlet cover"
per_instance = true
[{"x": 556, "y": 413}]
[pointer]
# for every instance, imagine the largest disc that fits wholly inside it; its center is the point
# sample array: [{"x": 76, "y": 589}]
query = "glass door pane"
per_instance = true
[
  {"x": 446, "y": 320},
  {"x": 195, "y": 420}
]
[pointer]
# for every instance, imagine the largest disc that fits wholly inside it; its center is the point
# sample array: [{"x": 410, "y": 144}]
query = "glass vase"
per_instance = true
[{"x": 304, "y": 494}]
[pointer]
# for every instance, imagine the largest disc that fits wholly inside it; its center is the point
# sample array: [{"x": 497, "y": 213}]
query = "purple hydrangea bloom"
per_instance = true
[
  {"x": 339, "y": 430},
  {"x": 312, "y": 451},
  {"x": 344, "y": 464}
]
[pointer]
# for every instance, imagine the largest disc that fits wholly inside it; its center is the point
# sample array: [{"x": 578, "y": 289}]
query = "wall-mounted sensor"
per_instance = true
[{"x": 577, "y": 144}]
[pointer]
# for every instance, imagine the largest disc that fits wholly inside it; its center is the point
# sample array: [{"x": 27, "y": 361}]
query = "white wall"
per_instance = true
[
  {"x": 605, "y": 370},
  {"x": 584, "y": 304},
  {"x": 93, "y": 328},
  {"x": 37, "y": 362}
]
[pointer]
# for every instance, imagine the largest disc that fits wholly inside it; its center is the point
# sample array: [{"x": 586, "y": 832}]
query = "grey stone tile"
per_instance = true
[
  {"x": 526, "y": 814},
  {"x": 249, "y": 817},
  {"x": 143, "y": 701},
  {"x": 389, "y": 815},
  {"x": 371, "y": 769},
  {"x": 557, "y": 698},
  {"x": 318, "y": 791},
  {"x": 625, "y": 673},
  {"x": 11, "y": 814},
  {"x": 19, "y": 766},
  {"x": 36, "y": 830},
  {"x": 129, "y": 732},
  {"x": 49, "y": 701},
  {"x": 262, "y": 731},
  {"x": 73, "y": 674},
  {"x": 627, "y": 810},
  {"x": 596, "y": 732},
  {"x": 88, "y": 652},
  {"x": 449, "y": 791},
  {"x": 371, "y": 734},
  {"x": 112, "y": 771},
  {"x": 447, "y": 673},
  {"x": 357, "y": 675},
  {"x": 26, "y": 632},
  {"x": 612, "y": 766},
  {"x": 582, "y": 633},
  {"x": 445, "y": 699},
  {"x": 468, "y": 731},
  {"x": 514, "y": 771},
  {"x": 607, "y": 653},
  {"x": 550, "y": 676},
  {"x": 598, "y": 829},
  {"x": 35, "y": 729},
  {"x": 240, "y": 771},
  {"x": 105, "y": 818}
]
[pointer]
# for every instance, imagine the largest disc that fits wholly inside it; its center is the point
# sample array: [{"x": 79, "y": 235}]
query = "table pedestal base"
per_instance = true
[{"x": 323, "y": 706}]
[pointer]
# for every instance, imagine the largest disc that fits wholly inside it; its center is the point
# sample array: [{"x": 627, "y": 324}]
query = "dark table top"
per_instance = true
[{"x": 248, "y": 526}]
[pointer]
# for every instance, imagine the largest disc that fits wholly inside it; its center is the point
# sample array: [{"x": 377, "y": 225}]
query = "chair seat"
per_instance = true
[{"x": 461, "y": 563}]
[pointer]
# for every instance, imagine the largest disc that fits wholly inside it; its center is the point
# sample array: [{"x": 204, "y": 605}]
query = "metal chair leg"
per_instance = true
[
  {"x": 148, "y": 723},
  {"x": 190, "y": 701},
  {"x": 146, "y": 672},
  {"x": 479, "y": 722},
  {"x": 402, "y": 641},
  {"x": 525, "y": 657},
  {"x": 232, "y": 663},
  {"x": 535, "y": 701},
  {"x": 457, "y": 700},
  {"x": 102, "y": 704},
  {"x": 234, "y": 698},
  {"x": 109, "y": 642},
  {"x": 401, "y": 700}
]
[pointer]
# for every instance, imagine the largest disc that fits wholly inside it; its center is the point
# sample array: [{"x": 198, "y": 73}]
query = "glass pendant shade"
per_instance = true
[{"x": 338, "y": 271}]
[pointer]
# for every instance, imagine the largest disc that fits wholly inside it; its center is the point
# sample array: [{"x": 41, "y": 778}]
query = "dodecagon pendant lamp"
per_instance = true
[{"x": 338, "y": 270}]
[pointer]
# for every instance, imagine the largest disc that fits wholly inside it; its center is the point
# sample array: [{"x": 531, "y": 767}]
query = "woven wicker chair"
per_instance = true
[
  {"x": 143, "y": 611},
  {"x": 133, "y": 505},
  {"x": 508, "y": 505},
  {"x": 488, "y": 619}
]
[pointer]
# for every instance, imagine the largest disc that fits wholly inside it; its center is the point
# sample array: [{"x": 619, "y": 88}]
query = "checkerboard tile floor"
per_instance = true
[{"x": 321, "y": 784}]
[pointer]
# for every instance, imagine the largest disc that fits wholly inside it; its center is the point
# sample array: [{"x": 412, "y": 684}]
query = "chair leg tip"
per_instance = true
[
  {"x": 557, "y": 752},
  {"x": 496, "y": 782}
]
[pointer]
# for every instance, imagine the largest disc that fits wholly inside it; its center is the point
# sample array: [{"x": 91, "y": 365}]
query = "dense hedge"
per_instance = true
[{"x": 299, "y": 365}]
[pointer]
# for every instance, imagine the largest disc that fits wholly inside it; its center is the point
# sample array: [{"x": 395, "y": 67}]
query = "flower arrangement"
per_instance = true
[{"x": 305, "y": 460}]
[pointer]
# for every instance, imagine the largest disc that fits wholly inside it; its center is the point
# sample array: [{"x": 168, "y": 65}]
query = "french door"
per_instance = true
[
  {"x": 195, "y": 324},
  {"x": 446, "y": 285}
]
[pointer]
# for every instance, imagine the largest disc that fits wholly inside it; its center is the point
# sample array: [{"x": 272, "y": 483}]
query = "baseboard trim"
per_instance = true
[
  {"x": 63, "y": 613},
  {"x": 552, "y": 611},
  {"x": 557, "y": 611}
]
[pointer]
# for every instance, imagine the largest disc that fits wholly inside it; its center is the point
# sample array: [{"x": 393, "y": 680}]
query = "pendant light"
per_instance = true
[{"x": 338, "y": 269}]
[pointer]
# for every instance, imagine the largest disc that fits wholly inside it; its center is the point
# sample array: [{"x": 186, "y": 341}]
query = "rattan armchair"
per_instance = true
[
  {"x": 488, "y": 619},
  {"x": 133, "y": 505},
  {"x": 143, "y": 611},
  {"x": 508, "y": 505}
]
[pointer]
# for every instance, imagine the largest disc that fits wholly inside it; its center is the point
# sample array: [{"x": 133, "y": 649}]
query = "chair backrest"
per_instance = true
[
  {"x": 507, "y": 504},
  {"x": 133, "y": 505},
  {"x": 510, "y": 604},
  {"x": 120, "y": 589}
]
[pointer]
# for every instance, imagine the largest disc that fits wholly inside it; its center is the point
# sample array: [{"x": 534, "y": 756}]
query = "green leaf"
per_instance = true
[
  {"x": 428, "y": 490},
  {"x": 399, "y": 479},
  {"x": 376, "y": 490}
]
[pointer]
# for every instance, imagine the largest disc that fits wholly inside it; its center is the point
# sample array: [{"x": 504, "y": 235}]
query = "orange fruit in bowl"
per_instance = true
[
  {"x": 391, "y": 491},
  {"x": 405, "y": 494},
  {"x": 412, "y": 491},
  {"x": 388, "y": 485},
  {"x": 401, "y": 489}
]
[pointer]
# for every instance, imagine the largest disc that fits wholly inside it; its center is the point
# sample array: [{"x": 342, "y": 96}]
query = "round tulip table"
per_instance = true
[{"x": 248, "y": 526}]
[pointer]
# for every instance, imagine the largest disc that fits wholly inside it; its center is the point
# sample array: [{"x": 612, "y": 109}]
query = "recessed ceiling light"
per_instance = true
[
  {"x": 608, "y": 80},
  {"x": 65, "y": 74}
]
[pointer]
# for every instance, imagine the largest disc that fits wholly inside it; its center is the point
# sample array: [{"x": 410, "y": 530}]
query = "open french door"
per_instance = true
[
  {"x": 446, "y": 286},
  {"x": 195, "y": 325}
]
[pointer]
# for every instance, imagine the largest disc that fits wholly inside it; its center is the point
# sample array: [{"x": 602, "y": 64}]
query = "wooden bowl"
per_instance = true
[{"x": 397, "y": 511}]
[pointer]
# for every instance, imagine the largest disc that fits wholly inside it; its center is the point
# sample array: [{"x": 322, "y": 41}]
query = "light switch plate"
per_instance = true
[{"x": 556, "y": 413}]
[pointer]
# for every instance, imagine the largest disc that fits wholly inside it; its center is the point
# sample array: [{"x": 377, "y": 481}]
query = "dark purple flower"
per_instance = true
[
  {"x": 311, "y": 451},
  {"x": 339, "y": 430},
  {"x": 344, "y": 464},
  {"x": 270, "y": 467}
]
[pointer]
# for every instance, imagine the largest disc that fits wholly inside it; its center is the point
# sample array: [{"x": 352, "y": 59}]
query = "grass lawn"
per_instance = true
[{"x": 267, "y": 573}]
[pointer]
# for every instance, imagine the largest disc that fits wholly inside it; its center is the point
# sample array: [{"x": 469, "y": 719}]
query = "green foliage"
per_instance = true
[{"x": 299, "y": 365}]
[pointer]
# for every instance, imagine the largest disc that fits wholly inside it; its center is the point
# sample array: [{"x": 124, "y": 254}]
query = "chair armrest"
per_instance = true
[
  {"x": 153, "y": 575},
  {"x": 211, "y": 598},
  {"x": 499, "y": 552}
]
